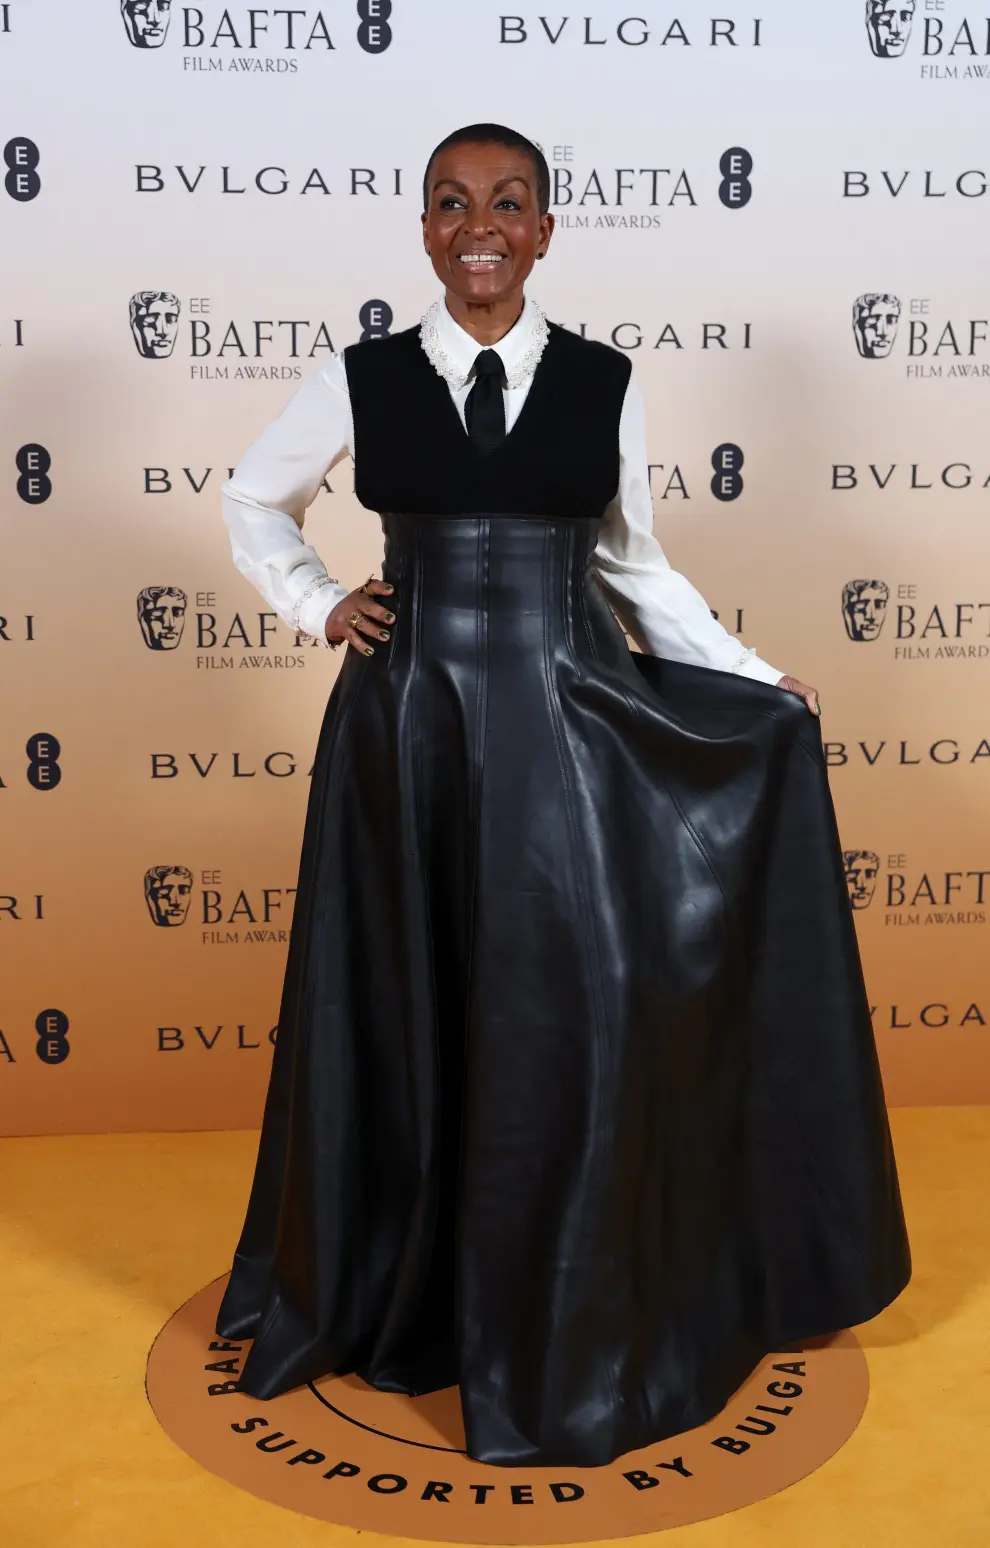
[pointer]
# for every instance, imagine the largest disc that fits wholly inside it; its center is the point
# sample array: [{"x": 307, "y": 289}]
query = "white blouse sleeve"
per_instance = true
[
  {"x": 273, "y": 485},
  {"x": 657, "y": 606}
]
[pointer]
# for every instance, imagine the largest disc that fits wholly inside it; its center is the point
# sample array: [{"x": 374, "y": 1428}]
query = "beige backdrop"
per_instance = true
[{"x": 270, "y": 188}]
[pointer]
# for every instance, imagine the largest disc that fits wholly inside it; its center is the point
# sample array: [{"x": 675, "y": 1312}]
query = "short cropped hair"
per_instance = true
[{"x": 495, "y": 134}]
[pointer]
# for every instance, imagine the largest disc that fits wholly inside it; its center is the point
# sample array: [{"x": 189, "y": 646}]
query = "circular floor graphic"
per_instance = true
[{"x": 342, "y": 1452}]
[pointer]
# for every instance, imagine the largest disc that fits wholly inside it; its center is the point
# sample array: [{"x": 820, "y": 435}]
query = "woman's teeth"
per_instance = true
[{"x": 489, "y": 258}]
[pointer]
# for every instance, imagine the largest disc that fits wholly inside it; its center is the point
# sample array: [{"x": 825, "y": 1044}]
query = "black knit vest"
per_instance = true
[{"x": 412, "y": 453}]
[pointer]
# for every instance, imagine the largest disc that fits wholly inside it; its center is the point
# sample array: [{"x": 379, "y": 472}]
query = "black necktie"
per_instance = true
[{"x": 484, "y": 412}]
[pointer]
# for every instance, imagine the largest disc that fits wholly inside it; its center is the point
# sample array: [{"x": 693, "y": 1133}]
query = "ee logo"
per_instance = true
[
  {"x": 43, "y": 770},
  {"x": 375, "y": 318},
  {"x": 22, "y": 181},
  {"x": 33, "y": 484},
  {"x": 52, "y": 1046},
  {"x": 374, "y": 33},
  {"x": 727, "y": 460},
  {"x": 735, "y": 190}
]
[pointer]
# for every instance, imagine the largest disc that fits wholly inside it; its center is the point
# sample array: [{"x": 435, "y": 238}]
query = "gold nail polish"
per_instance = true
[
  {"x": 383, "y": 634},
  {"x": 369, "y": 650}
]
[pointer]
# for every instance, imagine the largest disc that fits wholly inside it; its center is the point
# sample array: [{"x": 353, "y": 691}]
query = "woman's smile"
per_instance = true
[{"x": 478, "y": 263}]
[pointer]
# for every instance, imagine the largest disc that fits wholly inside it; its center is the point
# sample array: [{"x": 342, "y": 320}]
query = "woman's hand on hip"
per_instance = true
[
  {"x": 359, "y": 616},
  {"x": 809, "y": 695}
]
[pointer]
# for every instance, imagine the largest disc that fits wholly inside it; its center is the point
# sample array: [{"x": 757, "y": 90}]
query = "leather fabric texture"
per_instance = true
[{"x": 575, "y": 1099}]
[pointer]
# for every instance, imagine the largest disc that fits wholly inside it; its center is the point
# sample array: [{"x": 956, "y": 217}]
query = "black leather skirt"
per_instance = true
[{"x": 575, "y": 1099}]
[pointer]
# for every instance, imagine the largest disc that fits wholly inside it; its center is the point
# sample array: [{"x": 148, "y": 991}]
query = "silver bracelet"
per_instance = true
[{"x": 311, "y": 589}]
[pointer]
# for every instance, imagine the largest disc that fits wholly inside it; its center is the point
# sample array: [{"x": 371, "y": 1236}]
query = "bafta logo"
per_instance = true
[
  {"x": 875, "y": 319},
  {"x": 154, "y": 323},
  {"x": 888, "y": 26},
  {"x": 864, "y": 607},
  {"x": 161, "y": 612},
  {"x": 862, "y": 868},
  {"x": 146, "y": 21},
  {"x": 167, "y": 892}
]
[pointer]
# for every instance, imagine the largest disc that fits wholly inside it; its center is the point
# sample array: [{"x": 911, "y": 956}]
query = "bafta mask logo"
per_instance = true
[
  {"x": 888, "y": 26},
  {"x": 155, "y": 323},
  {"x": 864, "y": 607},
  {"x": 862, "y": 869},
  {"x": 875, "y": 320},
  {"x": 146, "y": 21},
  {"x": 167, "y": 892},
  {"x": 161, "y": 612}
]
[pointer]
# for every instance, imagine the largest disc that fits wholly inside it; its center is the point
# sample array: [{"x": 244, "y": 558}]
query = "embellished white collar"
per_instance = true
[{"x": 452, "y": 351}]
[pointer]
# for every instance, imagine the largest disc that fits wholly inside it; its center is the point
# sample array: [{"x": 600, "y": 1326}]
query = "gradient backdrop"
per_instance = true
[{"x": 782, "y": 216}]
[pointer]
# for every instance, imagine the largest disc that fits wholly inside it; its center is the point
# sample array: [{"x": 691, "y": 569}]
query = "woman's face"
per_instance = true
[{"x": 482, "y": 227}]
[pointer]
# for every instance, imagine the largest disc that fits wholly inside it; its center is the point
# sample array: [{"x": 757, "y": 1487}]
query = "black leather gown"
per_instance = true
[{"x": 575, "y": 1100}]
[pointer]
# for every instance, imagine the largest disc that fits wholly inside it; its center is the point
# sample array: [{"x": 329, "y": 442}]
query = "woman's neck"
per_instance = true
[{"x": 488, "y": 321}]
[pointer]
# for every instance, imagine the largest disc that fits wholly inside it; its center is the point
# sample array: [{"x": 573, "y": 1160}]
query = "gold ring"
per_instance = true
[{"x": 353, "y": 619}]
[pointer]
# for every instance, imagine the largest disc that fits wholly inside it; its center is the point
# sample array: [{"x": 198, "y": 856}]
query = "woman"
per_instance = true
[{"x": 575, "y": 1100}]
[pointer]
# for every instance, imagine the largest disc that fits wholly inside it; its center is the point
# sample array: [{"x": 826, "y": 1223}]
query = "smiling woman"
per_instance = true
[
  {"x": 575, "y": 1101},
  {"x": 485, "y": 221}
]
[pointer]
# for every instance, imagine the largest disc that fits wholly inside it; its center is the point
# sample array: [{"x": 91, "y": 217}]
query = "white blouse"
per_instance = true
[{"x": 279, "y": 477}]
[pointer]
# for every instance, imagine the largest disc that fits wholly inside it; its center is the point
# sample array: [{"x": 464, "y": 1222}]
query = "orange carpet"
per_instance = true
[{"x": 101, "y": 1238}]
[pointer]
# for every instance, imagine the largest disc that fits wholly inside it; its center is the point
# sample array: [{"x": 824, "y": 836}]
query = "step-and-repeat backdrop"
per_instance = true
[{"x": 779, "y": 211}]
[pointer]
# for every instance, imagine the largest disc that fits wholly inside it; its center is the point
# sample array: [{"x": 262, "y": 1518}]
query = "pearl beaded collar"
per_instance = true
[{"x": 429, "y": 337}]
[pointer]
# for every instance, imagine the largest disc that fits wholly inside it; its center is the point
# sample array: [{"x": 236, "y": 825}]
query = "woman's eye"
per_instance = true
[
  {"x": 509, "y": 204},
  {"x": 451, "y": 202}
]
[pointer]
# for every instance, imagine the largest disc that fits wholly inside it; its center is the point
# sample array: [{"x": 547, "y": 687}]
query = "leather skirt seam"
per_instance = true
[
  {"x": 582, "y": 602},
  {"x": 477, "y": 795},
  {"x": 416, "y": 764},
  {"x": 577, "y": 839},
  {"x": 418, "y": 793}
]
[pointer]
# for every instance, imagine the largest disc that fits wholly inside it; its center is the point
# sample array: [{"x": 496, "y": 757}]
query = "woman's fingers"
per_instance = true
[
  {"x": 382, "y": 615},
  {"x": 366, "y": 619},
  {"x": 358, "y": 641},
  {"x": 373, "y": 623},
  {"x": 382, "y": 611},
  {"x": 358, "y": 619},
  {"x": 809, "y": 695}
]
